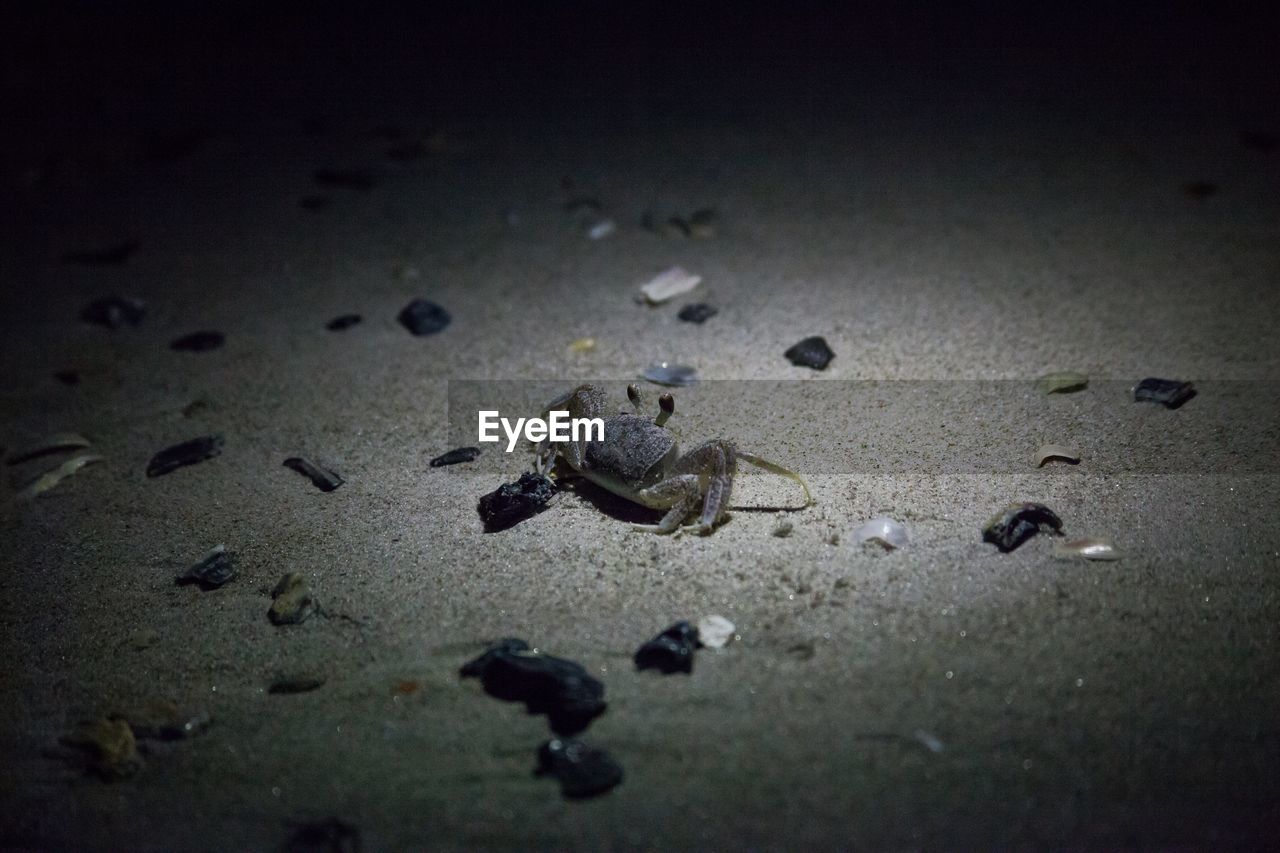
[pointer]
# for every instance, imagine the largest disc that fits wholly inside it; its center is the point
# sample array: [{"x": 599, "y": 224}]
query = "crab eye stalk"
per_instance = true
[{"x": 667, "y": 404}]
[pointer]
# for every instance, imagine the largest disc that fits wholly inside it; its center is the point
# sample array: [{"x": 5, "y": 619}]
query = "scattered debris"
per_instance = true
[
  {"x": 348, "y": 179},
  {"x": 715, "y": 632},
  {"x": 783, "y": 529},
  {"x": 1017, "y": 523},
  {"x": 1086, "y": 549},
  {"x": 562, "y": 689},
  {"x": 669, "y": 284},
  {"x": 583, "y": 771},
  {"x": 422, "y": 317},
  {"x": 1199, "y": 190},
  {"x": 512, "y": 503},
  {"x": 324, "y": 836},
  {"x": 603, "y": 228},
  {"x": 164, "y": 720},
  {"x": 54, "y": 476},
  {"x": 928, "y": 741},
  {"x": 670, "y": 374},
  {"x": 454, "y": 457},
  {"x": 697, "y": 312},
  {"x": 292, "y": 601},
  {"x": 55, "y": 443},
  {"x": 108, "y": 746},
  {"x": 583, "y": 345},
  {"x": 671, "y": 651},
  {"x": 1168, "y": 392},
  {"x": 343, "y": 322},
  {"x": 811, "y": 352},
  {"x": 114, "y": 311},
  {"x": 324, "y": 479},
  {"x": 187, "y": 453},
  {"x": 107, "y": 256},
  {"x": 202, "y": 341},
  {"x": 287, "y": 685},
  {"x": 1064, "y": 382},
  {"x": 1056, "y": 451},
  {"x": 314, "y": 202},
  {"x": 214, "y": 569},
  {"x": 884, "y": 531}
]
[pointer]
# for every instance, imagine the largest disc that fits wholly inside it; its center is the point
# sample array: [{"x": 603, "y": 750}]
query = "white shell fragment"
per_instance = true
[
  {"x": 1057, "y": 451},
  {"x": 55, "y": 443},
  {"x": 1063, "y": 383},
  {"x": 602, "y": 229},
  {"x": 883, "y": 530},
  {"x": 54, "y": 476},
  {"x": 671, "y": 283},
  {"x": 715, "y": 632},
  {"x": 928, "y": 741},
  {"x": 1086, "y": 549},
  {"x": 670, "y": 374}
]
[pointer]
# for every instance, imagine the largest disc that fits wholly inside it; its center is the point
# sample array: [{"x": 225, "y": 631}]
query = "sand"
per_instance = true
[{"x": 953, "y": 230}]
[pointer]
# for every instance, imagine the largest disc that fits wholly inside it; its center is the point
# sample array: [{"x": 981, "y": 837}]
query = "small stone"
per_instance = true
[
  {"x": 114, "y": 312},
  {"x": 187, "y": 453},
  {"x": 422, "y": 317},
  {"x": 324, "y": 836},
  {"x": 109, "y": 747},
  {"x": 715, "y": 632},
  {"x": 455, "y": 457},
  {"x": 562, "y": 689},
  {"x": 203, "y": 341},
  {"x": 289, "y": 684},
  {"x": 214, "y": 569},
  {"x": 512, "y": 503},
  {"x": 671, "y": 651},
  {"x": 342, "y": 322},
  {"x": 1168, "y": 392},
  {"x": 583, "y": 771},
  {"x": 1018, "y": 523},
  {"x": 811, "y": 352},
  {"x": 697, "y": 312},
  {"x": 323, "y": 479},
  {"x": 292, "y": 601}
]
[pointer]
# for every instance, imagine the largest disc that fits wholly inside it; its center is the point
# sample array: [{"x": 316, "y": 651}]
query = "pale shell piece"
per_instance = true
[
  {"x": 1057, "y": 451},
  {"x": 671, "y": 283},
  {"x": 715, "y": 632},
  {"x": 602, "y": 229},
  {"x": 1063, "y": 383},
  {"x": 583, "y": 345},
  {"x": 671, "y": 374},
  {"x": 51, "y": 444},
  {"x": 928, "y": 741},
  {"x": 54, "y": 476},
  {"x": 1086, "y": 549},
  {"x": 884, "y": 530}
]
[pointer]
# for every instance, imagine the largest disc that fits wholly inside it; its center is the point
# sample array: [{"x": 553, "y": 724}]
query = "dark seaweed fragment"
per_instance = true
[
  {"x": 324, "y": 836},
  {"x": 583, "y": 771},
  {"x": 186, "y": 453},
  {"x": 423, "y": 317},
  {"x": 559, "y": 688},
  {"x": 1168, "y": 392},
  {"x": 512, "y": 503},
  {"x": 114, "y": 311},
  {"x": 106, "y": 256},
  {"x": 453, "y": 457},
  {"x": 1018, "y": 523},
  {"x": 349, "y": 179},
  {"x": 671, "y": 651},
  {"x": 202, "y": 341},
  {"x": 811, "y": 352},
  {"x": 324, "y": 479},
  {"x": 218, "y": 567},
  {"x": 343, "y": 322},
  {"x": 697, "y": 312}
]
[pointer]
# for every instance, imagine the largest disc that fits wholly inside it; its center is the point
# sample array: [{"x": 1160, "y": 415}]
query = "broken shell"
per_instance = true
[
  {"x": 51, "y": 478},
  {"x": 1086, "y": 549},
  {"x": 1168, "y": 392},
  {"x": 715, "y": 632},
  {"x": 666, "y": 285},
  {"x": 583, "y": 345},
  {"x": 602, "y": 229},
  {"x": 55, "y": 443},
  {"x": 1057, "y": 451},
  {"x": 884, "y": 531},
  {"x": 670, "y": 374},
  {"x": 214, "y": 569},
  {"x": 186, "y": 453},
  {"x": 293, "y": 601},
  {"x": 1063, "y": 383},
  {"x": 324, "y": 479},
  {"x": 1017, "y": 523}
]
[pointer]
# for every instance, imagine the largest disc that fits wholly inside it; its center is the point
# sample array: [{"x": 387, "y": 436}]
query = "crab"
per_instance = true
[{"x": 640, "y": 461}]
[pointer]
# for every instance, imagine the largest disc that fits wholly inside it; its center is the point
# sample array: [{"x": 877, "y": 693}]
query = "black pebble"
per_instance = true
[
  {"x": 1018, "y": 523},
  {"x": 697, "y": 312},
  {"x": 811, "y": 352},
  {"x": 583, "y": 771},
  {"x": 671, "y": 651},
  {"x": 108, "y": 256},
  {"x": 187, "y": 453},
  {"x": 453, "y": 457},
  {"x": 422, "y": 317},
  {"x": 512, "y": 503},
  {"x": 324, "y": 479},
  {"x": 345, "y": 321},
  {"x": 114, "y": 312},
  {"x": 351, "y": 179},
  {"x": 211, "y": 572},
  {"x": 198, "y": 342},
  {"x": 1169, "y": 392},
  {"x": 559, "y": 688}
]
